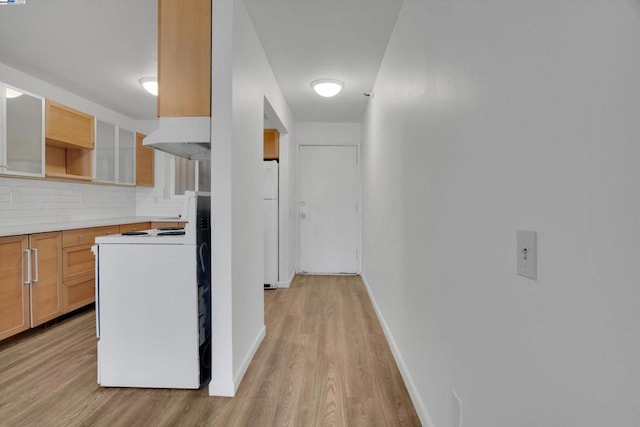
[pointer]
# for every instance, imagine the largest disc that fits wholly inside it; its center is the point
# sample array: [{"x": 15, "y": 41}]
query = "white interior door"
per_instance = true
[{"x": 328, "y": 209}]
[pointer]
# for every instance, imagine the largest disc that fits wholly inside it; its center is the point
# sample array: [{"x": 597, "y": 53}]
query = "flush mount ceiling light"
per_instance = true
[
  {"x": 11, "y": 93},
  {"x": 150, "y": 84},
  {"x": 327, "y": 87}
]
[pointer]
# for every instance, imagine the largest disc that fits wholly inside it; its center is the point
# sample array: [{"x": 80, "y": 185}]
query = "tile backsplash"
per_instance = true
[{"x": 33, "y": 201}]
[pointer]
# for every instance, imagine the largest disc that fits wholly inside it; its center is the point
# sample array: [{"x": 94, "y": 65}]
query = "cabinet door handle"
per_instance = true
[
  {"x": 35, "y": 253},
  {"x": 28, "y": 252}
]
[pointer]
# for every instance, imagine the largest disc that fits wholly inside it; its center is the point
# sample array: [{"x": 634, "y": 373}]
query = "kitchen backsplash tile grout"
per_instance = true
[{"x": 24, "y": 201}]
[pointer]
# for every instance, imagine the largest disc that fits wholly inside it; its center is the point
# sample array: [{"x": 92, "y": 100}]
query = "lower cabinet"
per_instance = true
[
  {"x": 46, "y": 276},
  {"x": 30, "y": 281},
  {"x": 158, "y": 224},
  {"x": 78, "y": 265},
  {"x": 14, "y": 287},
  {"x": 138, "y": 226}
]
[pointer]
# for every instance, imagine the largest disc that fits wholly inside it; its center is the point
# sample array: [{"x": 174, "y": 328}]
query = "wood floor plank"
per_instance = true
[{"x": 324, "y": 362}]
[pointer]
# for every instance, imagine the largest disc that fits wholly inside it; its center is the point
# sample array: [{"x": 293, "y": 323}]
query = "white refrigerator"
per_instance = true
[{"x": 270, "y": 213}]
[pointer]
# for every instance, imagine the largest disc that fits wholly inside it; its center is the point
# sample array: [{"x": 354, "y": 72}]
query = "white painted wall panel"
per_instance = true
[
  {"x": 489, "y": 117},
  {"x": 242, "y": 80}
]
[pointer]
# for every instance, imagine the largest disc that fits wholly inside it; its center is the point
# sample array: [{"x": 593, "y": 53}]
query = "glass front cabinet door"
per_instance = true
[
  {"x": 115, "y": 156},
  {"x": 126, "y": 157},
  {"x": 105, "y": 152},
  {"x": 21, "y": 132}
]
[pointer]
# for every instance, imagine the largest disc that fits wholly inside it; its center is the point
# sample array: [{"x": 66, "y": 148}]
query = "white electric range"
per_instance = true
[{"x": 153, "y": 303}]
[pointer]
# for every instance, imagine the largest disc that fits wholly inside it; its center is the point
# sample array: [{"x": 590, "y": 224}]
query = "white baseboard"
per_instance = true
[
  {"x": 242, "y": 369},
  {"x": 227, "y": 387},
  {"x": 421, "y": 410},
  {"x": 287, "y": 283},
  {"x": 223, "y": 388}
]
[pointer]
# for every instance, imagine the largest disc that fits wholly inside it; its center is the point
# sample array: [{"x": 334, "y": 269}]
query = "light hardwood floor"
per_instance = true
[{"x": 324, "y": 361}]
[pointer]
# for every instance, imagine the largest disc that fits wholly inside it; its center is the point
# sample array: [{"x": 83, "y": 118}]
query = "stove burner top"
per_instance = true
[
  {"x": 134, "y": 233},
  {"x": 171, "y": 233},
  {"x": 170, "y": 228}
]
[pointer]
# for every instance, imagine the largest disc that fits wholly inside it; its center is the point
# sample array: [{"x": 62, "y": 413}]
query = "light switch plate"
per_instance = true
[{"x": 528, "y": 254}]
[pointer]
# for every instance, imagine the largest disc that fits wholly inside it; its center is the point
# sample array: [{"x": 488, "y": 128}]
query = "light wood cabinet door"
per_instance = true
[
  {"x": 78, "y": 265},
  {"x": 77, "y": 261},
  {"x": 145, "y": 158},
  {"x": 67, "y": 127},
  {"x": 271, "y": 144},
  {"x": 46, "y": 277},
  {"x": 184, "y": 58},
  {"x": 14, "y": 292},
  {"x": 79, "y": 277},
  {"x": 79, "y": 292},
  {"x": 69, "y": 142}
]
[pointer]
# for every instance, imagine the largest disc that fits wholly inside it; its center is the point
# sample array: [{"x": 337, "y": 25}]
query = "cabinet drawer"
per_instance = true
[
  {"x": 86, "y": 236},
  {"x": 78, "y": 293},
  {"x": 159, "y": 224},
  {"x": 105, "y": 231},
  {"x": 77, "y": 261},
  {"x": 138, "y": 226}
]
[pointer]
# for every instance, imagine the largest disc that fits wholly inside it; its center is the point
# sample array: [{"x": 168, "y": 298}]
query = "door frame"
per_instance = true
[{"x": 358, "y": 200}]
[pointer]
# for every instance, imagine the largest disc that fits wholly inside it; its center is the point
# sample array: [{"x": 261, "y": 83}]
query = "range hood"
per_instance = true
[{"x": 188, "y": 137}]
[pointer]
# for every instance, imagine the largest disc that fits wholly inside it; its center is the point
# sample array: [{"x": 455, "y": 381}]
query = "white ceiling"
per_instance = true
[{"x": 99, "y": 49}]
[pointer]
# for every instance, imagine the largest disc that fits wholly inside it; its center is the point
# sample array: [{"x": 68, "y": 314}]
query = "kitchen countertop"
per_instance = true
[{"x": 70, "y": 225}]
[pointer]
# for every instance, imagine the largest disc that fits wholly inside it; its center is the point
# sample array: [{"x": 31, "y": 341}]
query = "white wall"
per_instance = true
[
  {"x": 489, "y": 117},
  {"x": 242, "y": 79},
  {"x": 328, "y": 133}
]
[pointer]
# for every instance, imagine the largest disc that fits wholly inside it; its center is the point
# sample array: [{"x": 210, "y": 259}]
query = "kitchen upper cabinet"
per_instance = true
[
  {"x": 14, "y": 286},
  {"x": 105, "y": 152},
  {"x": 114, "y": 154},
  {"x": 22, "y": 137},
  {"x": 145, "y": 158},
  {"x": 126, "y": 157},
  {"x": 69, "y": 136},
  {"x": 184, "y": 58},
  {"x": 46, "y": 276},
  {"x": 67, "y": 127},
  {"x": 271, "y": 144}
]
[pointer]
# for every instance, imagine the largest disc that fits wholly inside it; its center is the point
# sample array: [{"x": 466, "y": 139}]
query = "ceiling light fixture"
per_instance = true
[
  {"x": 327, "y": 87},
  {"x": 11, "y": 93},
  {"x": 150, "y": 84}
]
